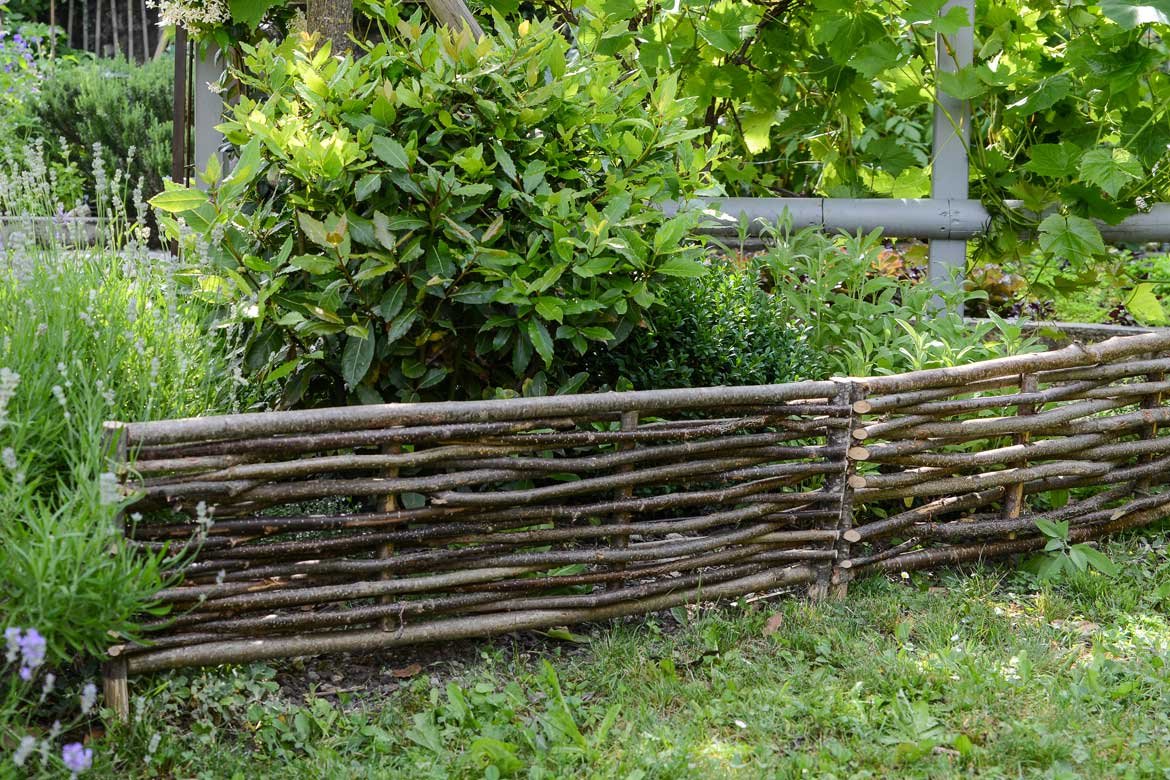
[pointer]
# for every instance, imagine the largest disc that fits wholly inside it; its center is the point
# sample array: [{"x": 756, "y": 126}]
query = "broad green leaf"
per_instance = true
[
  {"x": 1110, "y": 169},
  {"x": 1051, "y": 529},
  {"x": 314, "y": 264},
  {"x": 314, "y": 230},
  {"x": 757, "y": 130},
  {"x": 1053, "y": 160},
  {"x": 963, "y": 84},
  {"x": 550, "y": 309},
  {"x": 1134, "y": 13},
  {"x": 390, "y": 152},
  {"x": 1144, "y": 304},
  {"x": 1095, "y": 558},
  {"x": 250, "y": 12},
  {"x": 392, "y": 301},
  {"x": 892, "y": 155},
  {"x": 682, "y": 267},
  {"x": 367, "y": 186},
  {"x": 1070, "y": 238},
  {"x": 401, "y": 326},
  {"x": 539, "y": 336},
  {"x": 178, "y": 200},
  {"x": 670, "y": 232}
]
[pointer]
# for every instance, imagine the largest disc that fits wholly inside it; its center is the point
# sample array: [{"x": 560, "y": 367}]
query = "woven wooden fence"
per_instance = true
[{"x": 357, "y": 528}]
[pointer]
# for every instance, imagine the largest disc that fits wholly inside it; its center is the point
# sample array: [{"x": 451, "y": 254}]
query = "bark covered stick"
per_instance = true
[
  {"x": 239, "y": 651},
  {"x": 716, "y": 468},
  {"x": 375, "y": 437},
  {"x": 889, "y": 403},
  {"x": 350, "y": 418},
  {"x": 1069, "y": 357},
  {"x": 1125, "y": 368},
  {"x": 279, "y": 525},
  {"x": 269, "y": 625},
  {"x": 964, "y": 530},
  {"x": 1013, "y": 499},
  {"x": 496, "y": 556},
  {"x": 1036, "y": 450},
  {"x": 1086, "y": 389},
  {"x": 257, "y": 565},
  {"x": 244, "y": 556},
  {"x": 951, "y": 555},
  {"x": 986, "y": 427},
  {"x": 989, "y": 479},
  {"x": 485, "y": 457}
]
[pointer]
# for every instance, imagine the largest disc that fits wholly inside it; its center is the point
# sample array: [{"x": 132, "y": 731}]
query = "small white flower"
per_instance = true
[
  {"x": 47, "y": 687},
  {"x": 25, "y": 749},
  {"x": 8, "y": 458},
  {"x": 88, "y": 698}
]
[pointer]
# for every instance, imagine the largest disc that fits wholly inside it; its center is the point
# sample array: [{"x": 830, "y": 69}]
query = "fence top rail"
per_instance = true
[
  {"x": 1072, "y": 356},
  {"x": 350, "y": 418}
]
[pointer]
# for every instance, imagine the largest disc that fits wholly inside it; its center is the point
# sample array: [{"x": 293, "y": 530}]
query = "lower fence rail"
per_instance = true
[{"x": 359, "y": 528}]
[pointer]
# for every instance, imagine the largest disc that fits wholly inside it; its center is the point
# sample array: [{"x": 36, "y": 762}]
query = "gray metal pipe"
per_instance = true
[{"x": 926, "y": 218}]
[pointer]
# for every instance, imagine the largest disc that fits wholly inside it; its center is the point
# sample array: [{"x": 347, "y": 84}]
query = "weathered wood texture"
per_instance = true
[{"x": 363, "y": 527}]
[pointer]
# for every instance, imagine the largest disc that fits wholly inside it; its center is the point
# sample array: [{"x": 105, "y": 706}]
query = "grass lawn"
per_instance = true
[{"x": 981, "y": 672}]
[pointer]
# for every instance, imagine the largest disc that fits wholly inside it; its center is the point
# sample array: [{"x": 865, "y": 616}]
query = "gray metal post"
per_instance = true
[
  {"x": 952, "y": 134},
  {"x": 208, "y": 107}
]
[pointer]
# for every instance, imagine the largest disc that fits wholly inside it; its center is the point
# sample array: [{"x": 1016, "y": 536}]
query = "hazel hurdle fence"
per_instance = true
[{"x": 358, "y": 528}]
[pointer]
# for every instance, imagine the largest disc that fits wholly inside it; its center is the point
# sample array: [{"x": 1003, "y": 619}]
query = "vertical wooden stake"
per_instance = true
[
  {"x": 116, "y": 688},
  {"x": 1150, "y": 431},
  {"x": 388, "y": 503},
  {"x": 832, "y": 579},
  {"x": 622, "y": 541},
  {"x": 1013, "y": 501}
]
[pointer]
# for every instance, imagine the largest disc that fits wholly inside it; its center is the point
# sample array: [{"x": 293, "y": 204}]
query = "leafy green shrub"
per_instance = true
[
  {"x": 722, "y": 328},
  {"x": 865, "y": 323},
  {"x": 441, "y": 218},
  {"x": 110, "y": 107}
]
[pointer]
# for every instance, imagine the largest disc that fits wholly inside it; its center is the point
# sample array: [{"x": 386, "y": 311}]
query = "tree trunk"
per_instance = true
[{"x": 333, "y": 19}]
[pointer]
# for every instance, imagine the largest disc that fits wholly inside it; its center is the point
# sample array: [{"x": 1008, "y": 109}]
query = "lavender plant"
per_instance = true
[
  {"x": 88, "y": 334},
  {"x": 31, "y": 738}
]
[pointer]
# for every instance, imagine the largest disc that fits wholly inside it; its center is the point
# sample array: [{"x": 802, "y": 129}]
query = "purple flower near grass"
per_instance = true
[
  {"x": 77, "y": 757},
  {"x": 32, "y": 651}
]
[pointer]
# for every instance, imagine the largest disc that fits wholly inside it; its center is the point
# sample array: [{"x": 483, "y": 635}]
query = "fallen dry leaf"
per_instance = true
[{"x": 406, "y": 671}]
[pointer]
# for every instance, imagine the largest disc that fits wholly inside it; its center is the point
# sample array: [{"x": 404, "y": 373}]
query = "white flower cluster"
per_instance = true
[
  {"x": 9, "y": 379},
  {"x": 197, "y": 15}
]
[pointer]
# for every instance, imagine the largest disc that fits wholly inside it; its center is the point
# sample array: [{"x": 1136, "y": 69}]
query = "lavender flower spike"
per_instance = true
[
  {"x": 32, "y": 651},
  {"x": 77, "y": 757}
]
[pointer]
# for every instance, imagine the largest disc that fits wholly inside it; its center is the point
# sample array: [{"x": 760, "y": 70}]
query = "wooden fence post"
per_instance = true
[
  {"x": 1013, "y": 501},
  {"x": 831, "y": 579},
  {"x": 115, "y": 686},
  {"x": 621, "y": 541},
  {"x": 388, "y": 503}
]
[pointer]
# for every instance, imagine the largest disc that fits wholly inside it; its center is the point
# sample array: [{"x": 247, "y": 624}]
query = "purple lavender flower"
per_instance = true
[
  {"x": 32, "y": 651},
  {"x": 77, "y": 757}
]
